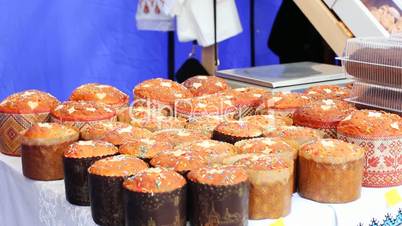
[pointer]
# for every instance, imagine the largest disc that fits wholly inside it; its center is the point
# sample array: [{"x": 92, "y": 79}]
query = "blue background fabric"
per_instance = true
[{"x": 57, "y": 45}]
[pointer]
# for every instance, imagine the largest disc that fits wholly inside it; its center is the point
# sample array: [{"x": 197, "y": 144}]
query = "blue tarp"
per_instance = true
[{"x": 57, "y": 45}]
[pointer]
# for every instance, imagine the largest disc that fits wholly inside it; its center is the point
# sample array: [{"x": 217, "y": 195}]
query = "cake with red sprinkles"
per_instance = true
[
  {"x": 219, "y": 194},
  {"x": 203, "y": 85},
  {"x": 106, "y": 177},
  {"x": 155, "y": 185},
  {"x": 100, "y": 93},
  {"x": 20, "y": 111},
  {"x": 77, "y": 159},
  {"x": 331, "y": 171}
]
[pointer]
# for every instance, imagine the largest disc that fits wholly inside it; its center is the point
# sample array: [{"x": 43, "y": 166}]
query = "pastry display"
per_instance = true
[
  {"x": 101, "y": 93},
  {"x": 296, "y": 136},
  {"x": 331, "y": 171},
  {"x": 20, "y": 111},
  {"x": 160, "y": 94},
  {"x": 145, "y": 148},
  {"x": 219, "y": 196},
  {"x": 178, "y": 136},
  {"x": 283, "y": 103},
  {"x": 116, "y": 133},
  {"x": 212, "y": 105},
  {"x": 380, "y": 134},
  {"x": 79, "y": 114},
  {"x": 42, "y": 150},
  {"x": 323, "y": 114},
  {"x": 270, "y": 179},
  {"x": 155, "y": 196},
  {"x": 328, "y": 92},
  {"x": 204, "y": 85},
  {"x": 106, "y": 177},
  {"x": 234, "y": 131},
  {"x": 214, "y": 151},
  {"x": 78, "y": 157}
]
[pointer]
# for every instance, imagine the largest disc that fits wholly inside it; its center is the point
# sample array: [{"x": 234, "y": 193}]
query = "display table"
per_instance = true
[{"x": 24, "y": 202}]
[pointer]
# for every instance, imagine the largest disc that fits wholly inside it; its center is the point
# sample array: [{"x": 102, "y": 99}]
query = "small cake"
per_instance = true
[
  {"x": 247, "y": 99},
  {"x": 127, "y": 114},
  {"x": 234, "y": 131},
  {"x": 330, "y": 171},
  {"x": 80, "y": 113},
  {"x": 178, "y": 136},
  {"x": 101, "y": 93},
  {"x": 328, "y": 92},
  {"x": 160, "y": 93},
  {"x": 271, "y": 120},
  {"x": 160, "y": 123},
  {"x": 145, "y": 148},
  {"x": 296, "y": 136},
  {"x": 19, "y": 112},
  {"x": 211, "y": 105},
  {"x": 155, "y": 196},
  {"x": 214, "y": 151},
  {"x": 77, "y": 159},
  {"x": 180, "y": 161},
  {"x": 380, "y": 134},
  {"x": 323, "y": 114},
  {"x": 42, "y": 150},
  {"x": 270, "y": 191},
  {"x": 204, "y": 85},
  {"x": 205, "y": 124},
  {"x": 219, "y": 194},
  {"x": 106, "y": 177},
  {"x": 283, "y": 103},
  {"x": 116, "y": 133}
]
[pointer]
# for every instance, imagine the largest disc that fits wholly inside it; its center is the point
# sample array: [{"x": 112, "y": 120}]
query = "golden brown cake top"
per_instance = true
[
  {"x": 239, "y": 129},
  {"x": 247, "y": 96},
  {"x": 90, "y": 149},
  {"x": 266, "y": 145},
  {"x": 284, "y": 101},
  {"x": 127, "y": 114},
  {"x": 162, "y": 90},
  {"x": 117, "y": 166},
  {"x": 325, "y": 111},
  {"x": 100, "y": 93},
  {"x": 269, "y": 120},
  {"x": 82, "y": 111},
  {"x": 209, "y": 148},
  {"x": 292, "y": 132},
  {"x": 204, "y": 105},
  {"x": 145, "y": 148},
  {"x": 178, "y": 136},
  {"x": 262, "y": 162},
  {"x": 373, "y": 124},
  {"x": 218, "y": 176},
  {"x": 160, "y": 123},
  {"x": 179, "y": 160},
  {"x": 49, "y": 134},
  {"x": 28, "y": 102},
  {"x": 331, "y": 151},
  {"x": 204, "y": 123},
  {"x": 327, "y": 92},
  {"x": 155, "y": 180},
  {"x": 203, "y": 85}
]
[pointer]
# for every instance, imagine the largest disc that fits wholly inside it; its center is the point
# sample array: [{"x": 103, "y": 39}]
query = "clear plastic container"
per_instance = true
[
  {"x": 387, "y": 12},
  {"x": 374, "y": 60}
]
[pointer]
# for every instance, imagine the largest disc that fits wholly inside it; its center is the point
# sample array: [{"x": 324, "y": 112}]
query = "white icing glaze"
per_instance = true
[
  {"x": 312, "y": 92},
  {"x": 202, "y": 77},
  {"x": 71, "y": 110},
  {"x": 58, "y": 108},
  {"x": 206, "y": 144},
  {"x": 327, "y": 90},
  {"x": 45, "y": 125},
  {"x": 327, "y": 107},
  {"x": 148, "y": 141},
  {"x": 201, "y": 105},
  {"x": 91, "y": 109},
  {"x": 305, "y": 97},
  {"x": 33, "y": 104},
  {"x": 349, "y": 117},
  {"x": 257, "y": 95},
  {"x": 241, "y": 89},
  {"x": 183, "y": 133},
  {"x": 108, "y": 109},
  {"x": 178, "y": 95},
  {"x": 197, "y": 85},
  {"x": 268, "y": 141},
  {"x": 328, "y": 102},
  {"x": 374, "y": 114},
  {"x": 395, "y": 125},
  {"x": 166, "y": 84},
  {"x": 219, "y": 84},
  {"x": 127, "y": 129},
  {"x": 102, "y": 86},
  {"x": 328, "y": 143},
  {"x": 276, "y": 99},
  {"x": 86, "y": 143},
  {"x": 146, "y": 85},
  {"x": 27, "y": 93},
  {"x": 228, "y": 102},
  {"x": 101, "y": 96}
]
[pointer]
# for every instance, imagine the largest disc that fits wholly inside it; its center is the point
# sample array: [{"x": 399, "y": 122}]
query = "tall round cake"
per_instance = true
[{"x": 204, "y": 85}]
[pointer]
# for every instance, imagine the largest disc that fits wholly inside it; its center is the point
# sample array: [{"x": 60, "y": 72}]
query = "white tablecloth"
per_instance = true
[{"x": 24, "y": 202}]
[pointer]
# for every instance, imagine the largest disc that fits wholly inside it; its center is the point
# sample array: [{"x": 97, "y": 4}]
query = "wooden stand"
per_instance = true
[{"x": 208, "y": 59}]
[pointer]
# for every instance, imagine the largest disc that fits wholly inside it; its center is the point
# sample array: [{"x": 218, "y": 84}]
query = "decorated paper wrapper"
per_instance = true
[
  {"x": 106, "y": 197},
  {"x": 43, "y": 162},
  {"x": 383, "y": 160},
  {"x": 79, "y": 125},
  {"x": 144, "y": 209},
  {"x": 219, "y": 205},
  {"x": 10, "y": 127},
  {"x": 228, "y": 138},
  {"x": 330, "y": 183},
  {"x": 76, "y": 179}
]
